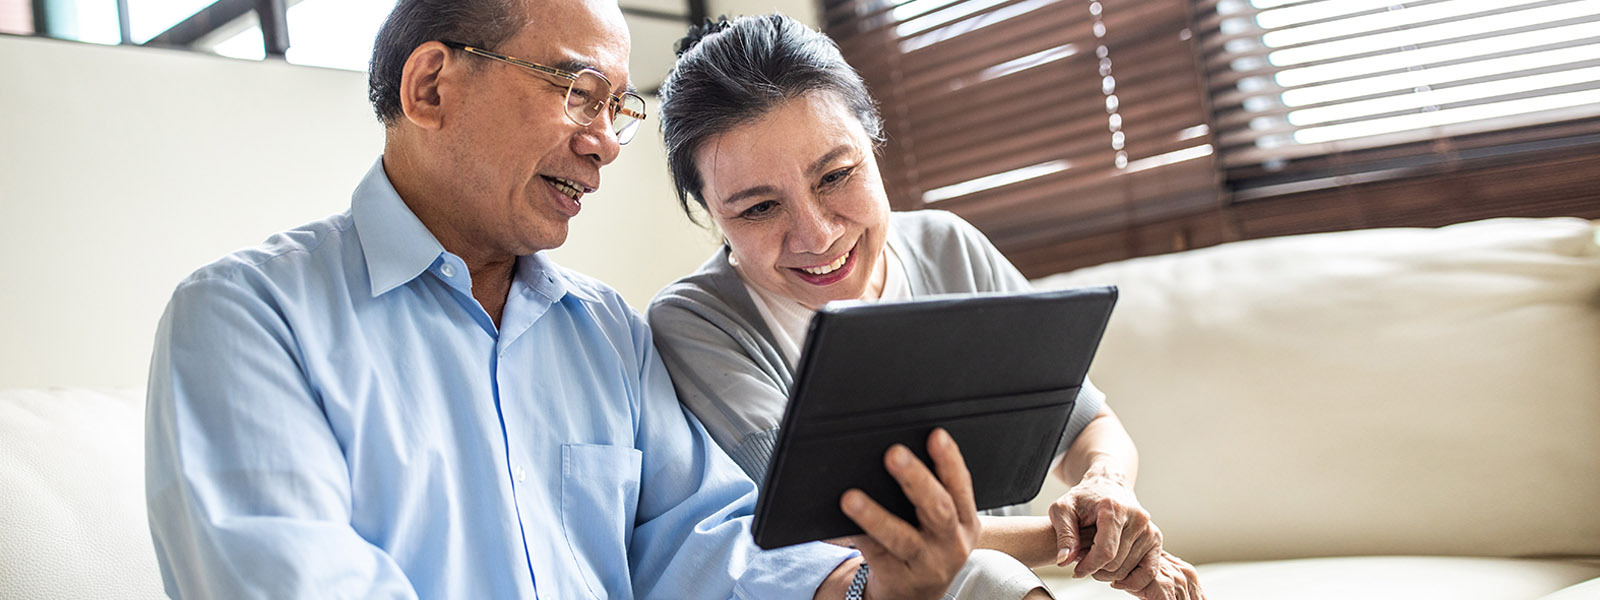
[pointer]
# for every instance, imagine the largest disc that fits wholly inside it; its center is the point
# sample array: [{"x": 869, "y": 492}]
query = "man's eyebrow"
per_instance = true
[{"x": 573, "y": 65}]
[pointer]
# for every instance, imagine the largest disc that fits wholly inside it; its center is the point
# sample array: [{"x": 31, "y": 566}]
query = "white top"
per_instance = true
[{"x": 790, "y": 320}]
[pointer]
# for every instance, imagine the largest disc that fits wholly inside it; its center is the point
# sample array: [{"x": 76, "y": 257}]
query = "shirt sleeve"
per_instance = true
[
  {"x": 247, "y": 489},
  {"x": 692, "y": 534}
]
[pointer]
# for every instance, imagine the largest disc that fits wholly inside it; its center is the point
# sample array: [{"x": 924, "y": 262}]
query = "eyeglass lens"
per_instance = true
[{"x": 591, "y": 94}]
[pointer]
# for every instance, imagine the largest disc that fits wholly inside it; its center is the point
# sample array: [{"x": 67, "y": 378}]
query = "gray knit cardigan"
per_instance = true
[{"x": 733, "y": 377}]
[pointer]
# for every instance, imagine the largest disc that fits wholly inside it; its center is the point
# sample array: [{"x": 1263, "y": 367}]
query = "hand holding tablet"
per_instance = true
[{"x": 1000, "y": 373}]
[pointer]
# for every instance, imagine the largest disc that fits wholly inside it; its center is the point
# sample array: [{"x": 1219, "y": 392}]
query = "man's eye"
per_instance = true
[{"x": 759, "y": 209}]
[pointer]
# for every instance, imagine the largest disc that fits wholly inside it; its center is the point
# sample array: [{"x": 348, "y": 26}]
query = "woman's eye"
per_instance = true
[
  {"x": 837, "y": 176},
  {"x": 759, "y": 209}
]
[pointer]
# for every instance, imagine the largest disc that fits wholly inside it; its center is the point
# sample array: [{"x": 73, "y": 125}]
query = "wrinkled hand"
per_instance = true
[
  {"x": 1170, "y": 579},
  {"x": 908, "y": 562},
  {"x": 1100, "y": 524}
]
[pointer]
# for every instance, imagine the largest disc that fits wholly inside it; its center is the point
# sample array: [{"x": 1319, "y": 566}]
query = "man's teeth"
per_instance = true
[
  {"x": 828, "y": 268},
  {"x": 567, "y": 186}
]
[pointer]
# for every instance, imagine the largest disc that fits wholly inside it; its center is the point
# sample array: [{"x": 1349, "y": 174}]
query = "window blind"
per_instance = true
[
  {"x": 1310, "y": 94},
  {"x": 1058, "y": 127}
]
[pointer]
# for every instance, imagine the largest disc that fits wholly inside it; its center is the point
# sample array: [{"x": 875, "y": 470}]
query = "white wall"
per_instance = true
[
  {"x": 123, "y": 169},
  {"x": 804, "y": 11}
]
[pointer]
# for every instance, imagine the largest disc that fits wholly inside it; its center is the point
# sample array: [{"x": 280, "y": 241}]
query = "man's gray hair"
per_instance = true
[{"x": 486, "y": 23}]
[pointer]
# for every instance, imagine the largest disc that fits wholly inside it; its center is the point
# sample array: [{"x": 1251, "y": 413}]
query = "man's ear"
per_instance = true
[{"x": 419, "y": 85}]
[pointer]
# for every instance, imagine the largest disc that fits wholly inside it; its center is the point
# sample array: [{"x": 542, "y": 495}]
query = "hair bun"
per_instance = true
[{"x": 700, "y": 32}]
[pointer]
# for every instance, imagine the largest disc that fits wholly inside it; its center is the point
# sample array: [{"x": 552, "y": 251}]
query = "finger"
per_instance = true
[
  {"x": 1191, "y": 578},
  {"x": 1062, "y": 517},
  {"x": 1119, "y": 565},
  {"x": 935, "y": 508},
  {"x": 896, "y": 536},
  {"x": 1142, "y": 550},
  {"x": 871, "y": 551},
  {"x": 1106, "y": 543},
  {"x": 1178, "y": 584},
  {"x": 1142, "y": 575},
  {"x": 952, "y": 468},
  {"x": 1150, "y": 591}
]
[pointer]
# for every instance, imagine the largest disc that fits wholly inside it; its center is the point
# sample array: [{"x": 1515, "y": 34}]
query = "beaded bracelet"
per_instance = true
[{"x": 858, "y": 586}]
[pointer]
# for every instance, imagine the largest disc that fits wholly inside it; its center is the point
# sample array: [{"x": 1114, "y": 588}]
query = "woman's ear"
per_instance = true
[{"x": 419, "y": 85}]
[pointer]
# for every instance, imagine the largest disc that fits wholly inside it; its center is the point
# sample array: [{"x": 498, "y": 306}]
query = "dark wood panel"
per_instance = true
[{"x": 1548, "y": 184}]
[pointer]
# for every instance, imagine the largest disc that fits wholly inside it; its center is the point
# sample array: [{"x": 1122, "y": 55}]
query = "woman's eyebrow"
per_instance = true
[
  {"x": 822, "y": 163},
  {"x": 747, "y": 192}
]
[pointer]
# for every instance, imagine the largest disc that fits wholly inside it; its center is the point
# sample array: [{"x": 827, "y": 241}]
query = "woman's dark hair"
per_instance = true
[
  {"x": 733, "y": 72},
  {"x": 413, "y": 23}
]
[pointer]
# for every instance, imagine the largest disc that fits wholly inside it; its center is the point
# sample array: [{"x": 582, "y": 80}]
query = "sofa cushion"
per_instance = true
[
  {"x": 1391, "y": 391},
  {"x": 1588, "y": 590},
  {"x": 72, "y": 518},
  {"x": 1367, "y": 578}
]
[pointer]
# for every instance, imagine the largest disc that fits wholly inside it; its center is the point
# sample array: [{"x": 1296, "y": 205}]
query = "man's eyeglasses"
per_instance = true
[{"x": 588, "y": 93}]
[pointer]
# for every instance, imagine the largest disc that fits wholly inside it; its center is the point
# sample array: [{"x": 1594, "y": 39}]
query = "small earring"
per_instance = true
[{"x": 733, "y": 261}]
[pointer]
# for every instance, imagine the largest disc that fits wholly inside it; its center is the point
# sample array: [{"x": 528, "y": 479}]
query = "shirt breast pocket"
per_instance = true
[{"x": 599, "y": 500}]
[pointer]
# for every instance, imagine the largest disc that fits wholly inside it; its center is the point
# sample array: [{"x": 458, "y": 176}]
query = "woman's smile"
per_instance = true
[{"x": 828, "y": 273}]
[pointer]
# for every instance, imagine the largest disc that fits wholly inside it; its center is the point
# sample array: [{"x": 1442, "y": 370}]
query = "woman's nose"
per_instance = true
[{"x": 813, "y": 230}]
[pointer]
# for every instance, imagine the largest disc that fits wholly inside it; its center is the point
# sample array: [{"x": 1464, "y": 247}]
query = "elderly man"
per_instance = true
[{"x": 409, "y": 400}]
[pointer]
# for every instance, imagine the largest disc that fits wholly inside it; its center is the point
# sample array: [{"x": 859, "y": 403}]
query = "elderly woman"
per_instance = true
[{"x": 773, "y": 135}]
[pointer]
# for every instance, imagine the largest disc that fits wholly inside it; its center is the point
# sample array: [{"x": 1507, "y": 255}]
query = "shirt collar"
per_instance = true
[
  {"x": 544, "y": 277},
  {"x": 398, "y": 247},
  {"x": 395, "y": 243}
]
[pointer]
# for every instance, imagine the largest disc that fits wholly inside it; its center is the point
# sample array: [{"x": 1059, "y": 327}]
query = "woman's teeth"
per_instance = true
[
  {"x": 828, "y": 268},
  {"x": 568, "y": 187}
]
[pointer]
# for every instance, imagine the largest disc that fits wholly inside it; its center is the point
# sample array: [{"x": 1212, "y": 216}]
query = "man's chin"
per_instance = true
[{"x": 548, "y": 237}]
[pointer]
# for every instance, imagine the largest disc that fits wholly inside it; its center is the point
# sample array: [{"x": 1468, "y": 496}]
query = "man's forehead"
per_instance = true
[{"x": 577, "y": 34}]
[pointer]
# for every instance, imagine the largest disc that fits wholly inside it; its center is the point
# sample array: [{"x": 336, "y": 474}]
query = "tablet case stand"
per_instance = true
[{"x": 999, "y": 372}]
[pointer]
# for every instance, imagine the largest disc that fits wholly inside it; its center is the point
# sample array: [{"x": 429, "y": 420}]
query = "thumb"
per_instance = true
[{"x": 1063, "y": 516}]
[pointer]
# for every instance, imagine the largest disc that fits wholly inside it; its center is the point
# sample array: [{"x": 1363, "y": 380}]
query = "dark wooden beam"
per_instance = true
[
  {"x": 198, "y": 25},
  {"x": 123, "y": 23},
  {"x": 654, "y": 14},
  {"x": 274, "y": 17},
  {"x": 41, "y": 17}
]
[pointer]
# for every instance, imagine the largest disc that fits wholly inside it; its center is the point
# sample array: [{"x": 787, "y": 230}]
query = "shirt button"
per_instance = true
[
  {"x": 448, "y": 270},
  {"x": 520, "y": 473}
]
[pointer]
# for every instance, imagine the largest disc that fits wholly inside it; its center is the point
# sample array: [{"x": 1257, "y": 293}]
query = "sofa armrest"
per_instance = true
[{"x": 72, "y": 508}]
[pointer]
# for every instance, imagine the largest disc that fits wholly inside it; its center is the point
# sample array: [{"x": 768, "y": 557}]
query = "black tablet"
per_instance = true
[{"x": 1000, "y": 372}]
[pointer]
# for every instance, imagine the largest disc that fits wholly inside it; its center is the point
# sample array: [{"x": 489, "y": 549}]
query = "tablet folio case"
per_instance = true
[{"x": 999, "y": 372}]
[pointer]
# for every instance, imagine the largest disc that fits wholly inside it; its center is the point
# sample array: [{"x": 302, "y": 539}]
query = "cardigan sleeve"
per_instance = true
[{"x": 735, "y": 384}]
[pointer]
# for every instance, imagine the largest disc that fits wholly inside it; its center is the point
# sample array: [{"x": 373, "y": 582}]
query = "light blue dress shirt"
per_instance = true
[{"x": 332, "y": 415}]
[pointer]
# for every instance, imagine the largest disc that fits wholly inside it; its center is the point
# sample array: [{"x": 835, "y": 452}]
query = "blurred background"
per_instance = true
[{"x": 140, "y": 139}]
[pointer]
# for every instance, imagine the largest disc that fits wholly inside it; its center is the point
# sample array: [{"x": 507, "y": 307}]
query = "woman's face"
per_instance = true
[{"x": 798, "y": 196}]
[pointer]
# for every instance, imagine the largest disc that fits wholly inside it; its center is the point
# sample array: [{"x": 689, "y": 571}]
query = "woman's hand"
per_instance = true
[
  {"x": 1170, "y": 578},
  {"x": 1100, "y": 524},
  {"x": 908, "y": 562}
]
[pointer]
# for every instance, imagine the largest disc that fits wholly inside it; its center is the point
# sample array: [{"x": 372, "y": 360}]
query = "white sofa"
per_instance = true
[
  {"x": 1395, "y": 413},
  {"x": 1375, "y": 414}
]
